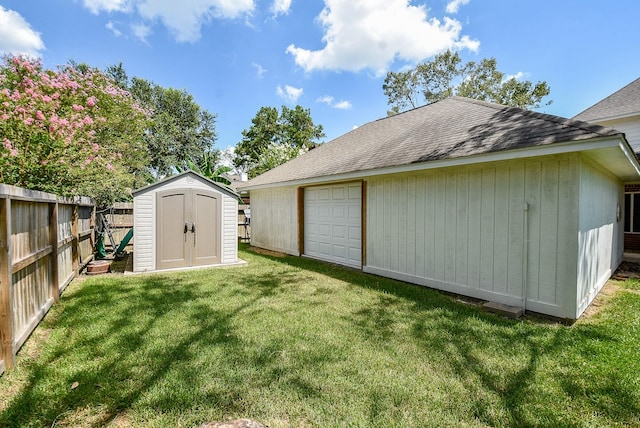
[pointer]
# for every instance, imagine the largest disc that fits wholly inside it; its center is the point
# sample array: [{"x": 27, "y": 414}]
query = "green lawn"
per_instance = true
[{"x": 295, "y": 342}]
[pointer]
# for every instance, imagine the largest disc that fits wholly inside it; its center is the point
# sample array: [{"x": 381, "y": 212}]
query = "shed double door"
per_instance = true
[{"x": 188, "y": 228}]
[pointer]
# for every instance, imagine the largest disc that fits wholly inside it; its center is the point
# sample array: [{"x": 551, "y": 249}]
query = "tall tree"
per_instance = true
[
  {"x": 445, "y": 76},
  {"x": 180, "y": 128},
  {"x": 274, "y": 138}
]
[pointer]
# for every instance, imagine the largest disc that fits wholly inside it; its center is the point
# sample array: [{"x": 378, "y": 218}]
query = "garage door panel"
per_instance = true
[
  {"x": 337, "y": 193},
  {"x": 338, "y": 232},
  {"x": 355, "y": 192},
  {"x": 332, "y": 229}
]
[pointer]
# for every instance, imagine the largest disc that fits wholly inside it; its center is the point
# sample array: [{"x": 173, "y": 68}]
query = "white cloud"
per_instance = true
[
  {"x": 342, "y": 105},
  {"x": 141, "y": 31},
  {"x": 185, "y": 18},
  {"x": 454, "y": 5},
  {"x": 260, "y": 70},
  {"x": 289, "y": 93},
  {"x": 281, "y": 7},
  {"x": 96, "y": 6},
  {"x": 371, "y": 34},
  {"x": 519, "y": 75},
  {"x": 329, "y": 100},
  {"x": 112, "y": 27},
  {"x": 16, "y": 35}
]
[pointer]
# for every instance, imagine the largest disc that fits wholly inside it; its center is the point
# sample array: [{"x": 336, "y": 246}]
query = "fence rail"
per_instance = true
[{"x": 44, "y": 242}]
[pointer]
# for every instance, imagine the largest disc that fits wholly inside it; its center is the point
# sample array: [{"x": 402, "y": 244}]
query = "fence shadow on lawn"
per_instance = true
[
  {"x": 120, "y": 366},
  {"x": 542, "y": 349},
  {"x": 116, "y": 381}
]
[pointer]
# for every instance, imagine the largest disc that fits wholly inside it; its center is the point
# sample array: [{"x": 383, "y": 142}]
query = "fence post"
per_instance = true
[
  {"x": 76, "y": 240},
  {"x": 53, "y": 239},
  {"x": 6, "y": 328}
]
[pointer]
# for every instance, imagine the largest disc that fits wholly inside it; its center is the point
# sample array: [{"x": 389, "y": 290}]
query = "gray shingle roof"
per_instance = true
[
  {"x": 452, "y": 128},
  {"x": 622, "y": 103}
]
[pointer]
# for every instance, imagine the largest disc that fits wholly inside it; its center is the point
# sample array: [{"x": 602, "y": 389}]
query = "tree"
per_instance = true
[
  {"x": 180, "y": 129},
  {"x": 273, "y": 139},
  {"x": 446, "y": 76},
  {"x": 69, "y": 132},
  {"x": 209, "y": 166}
]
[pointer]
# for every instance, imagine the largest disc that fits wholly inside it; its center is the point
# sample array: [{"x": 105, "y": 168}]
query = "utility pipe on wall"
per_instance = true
[{"x": 525, "y": 256}]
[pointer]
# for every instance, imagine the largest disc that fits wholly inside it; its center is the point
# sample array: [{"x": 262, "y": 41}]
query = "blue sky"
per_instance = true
[{"x": 235, "y": 56}]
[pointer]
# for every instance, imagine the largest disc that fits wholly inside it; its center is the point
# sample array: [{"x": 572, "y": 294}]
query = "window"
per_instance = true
[{"x": 632, "y": 212}]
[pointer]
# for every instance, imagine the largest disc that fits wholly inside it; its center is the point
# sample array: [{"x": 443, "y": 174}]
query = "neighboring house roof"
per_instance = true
[
  {"x": 221, "y": 187},
  {"x": 455, "y": 127},
  {"x": 622, "y": 103}
]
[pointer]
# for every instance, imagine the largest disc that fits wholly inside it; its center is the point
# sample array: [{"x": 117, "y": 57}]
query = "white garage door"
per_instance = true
[{"x": 333, "y": 223}]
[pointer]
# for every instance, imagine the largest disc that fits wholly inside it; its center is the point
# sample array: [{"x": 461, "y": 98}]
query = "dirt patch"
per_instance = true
[
  {"x": 601, "y": 300},
  {"x": 267, "y": 252},
  {"x": 626, "y": 270}
]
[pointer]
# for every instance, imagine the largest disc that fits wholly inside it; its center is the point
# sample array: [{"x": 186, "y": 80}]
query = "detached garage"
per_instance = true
[
  {"x": 184, "y": 221},
  {"x": 493, "y": 202}
]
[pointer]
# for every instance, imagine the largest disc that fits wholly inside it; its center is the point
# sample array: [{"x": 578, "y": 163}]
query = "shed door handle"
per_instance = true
[
  {"x": 193, "y": 228},
  {"x": 186, "y": 227}
]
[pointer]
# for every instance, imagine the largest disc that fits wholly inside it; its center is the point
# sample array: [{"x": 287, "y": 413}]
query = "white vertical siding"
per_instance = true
[
  {"x": 463, "y": 230},
  {"x": 229, "y": 230},
  {"x": 144, "y": 232},
  {"x": 600, "y": 232},
  {"x": 631, "y": 128},
  {"x": 274, "y": 219}
]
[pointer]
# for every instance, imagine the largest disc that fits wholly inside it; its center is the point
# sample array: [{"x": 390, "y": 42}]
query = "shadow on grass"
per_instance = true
[
  {"x": 126, "y": 365},
  {"x": 588, "y": 362},
  {"x": 124, "y": 357}
]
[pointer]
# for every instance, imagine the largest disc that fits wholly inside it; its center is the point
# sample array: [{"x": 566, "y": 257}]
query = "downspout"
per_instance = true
[{"x": 525, "y": 256}]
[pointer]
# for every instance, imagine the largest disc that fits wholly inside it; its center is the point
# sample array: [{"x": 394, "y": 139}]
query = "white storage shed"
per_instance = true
[{"x": 184, "y": 221}]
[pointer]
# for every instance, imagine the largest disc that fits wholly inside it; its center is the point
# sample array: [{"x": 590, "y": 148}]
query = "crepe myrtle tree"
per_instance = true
[{"x": 69, "y": 131}]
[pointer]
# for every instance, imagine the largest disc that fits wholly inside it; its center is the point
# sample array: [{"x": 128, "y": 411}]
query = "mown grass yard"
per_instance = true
[{"x": 294, "y": 342}]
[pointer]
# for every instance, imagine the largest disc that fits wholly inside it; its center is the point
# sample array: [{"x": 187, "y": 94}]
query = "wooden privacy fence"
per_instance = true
[{"x": 44, "y": 242}]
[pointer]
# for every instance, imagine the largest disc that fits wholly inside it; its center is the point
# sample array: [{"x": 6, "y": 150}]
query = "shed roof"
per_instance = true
[
  {"x": 455, "y": 127},
  {"x": 219, "y": 186},
  {"x": 622, "y": 103}
]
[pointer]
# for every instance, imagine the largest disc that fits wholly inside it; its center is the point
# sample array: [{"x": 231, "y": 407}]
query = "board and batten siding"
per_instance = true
[
  {"x": 631, "y": 128},
  {"x": 464, "y": 230},
  {"x": 144, "y": 220},
  {"x": 601, "y": 231},
  {"x": 274, "y": 219}
]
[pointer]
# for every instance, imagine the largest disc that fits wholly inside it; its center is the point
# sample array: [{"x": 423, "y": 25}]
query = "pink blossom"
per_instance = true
[
  {"x": 77, "y": 107},
  {"x": 40, "y": 115},
  {"x": 14, "y": 153},
  {"x": 110, "y": 167},
  {"x": 92, "y": 101},
  {"x": 87, "y": 120},
  {"x": 7, "y": 144},
  {"x": 47, "y": 99},
  {"x": 95, "y": 147},
  {"x": 28, "y": 121}
]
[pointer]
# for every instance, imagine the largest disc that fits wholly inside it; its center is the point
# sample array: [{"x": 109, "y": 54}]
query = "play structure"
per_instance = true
[{"x": 103, "y": 228}]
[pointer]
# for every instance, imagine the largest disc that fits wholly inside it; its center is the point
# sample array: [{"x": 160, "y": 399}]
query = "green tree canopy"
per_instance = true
[
  {"x": 71, "y": 131},
  {"x": 274, "y": 138},
  {"x": 446, "y": 76},
  {"x": 179, "y": 130}
]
